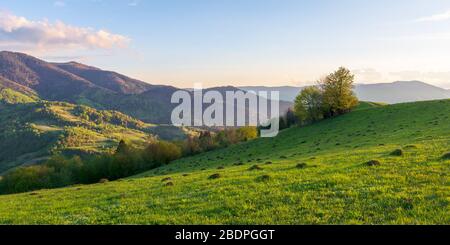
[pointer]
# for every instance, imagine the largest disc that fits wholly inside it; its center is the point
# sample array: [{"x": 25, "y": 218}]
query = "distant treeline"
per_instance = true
[{"x": 127, "y": 160}]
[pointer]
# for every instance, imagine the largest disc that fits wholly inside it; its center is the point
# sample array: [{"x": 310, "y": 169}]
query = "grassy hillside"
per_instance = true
[
  {"x": 368, "y": 105},
  {"x": 9, "y": 96},
  {"x": 32, "y": 130},
  {"x": 380, "y": 165}
]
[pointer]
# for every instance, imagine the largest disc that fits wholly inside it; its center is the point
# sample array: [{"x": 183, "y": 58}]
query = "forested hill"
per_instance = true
[{"x": 31, "y": 129}]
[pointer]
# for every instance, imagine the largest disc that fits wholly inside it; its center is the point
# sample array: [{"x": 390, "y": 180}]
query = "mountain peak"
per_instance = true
[
  {"x": 64, "y": 80},
  {"x": 6, "y": 52},
  {"x": 415, "y": 82},
  {"x": 107, "y": 79},
  {"x": 15, "y": 55},
  {"x": 77, "y": 65}
]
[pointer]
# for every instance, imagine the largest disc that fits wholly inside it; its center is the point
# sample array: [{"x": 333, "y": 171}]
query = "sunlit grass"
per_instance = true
[{"x": 312, "y": 175}]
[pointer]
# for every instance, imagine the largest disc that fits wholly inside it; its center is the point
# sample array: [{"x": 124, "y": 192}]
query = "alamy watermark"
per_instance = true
[{"x": 238, "y": 108}]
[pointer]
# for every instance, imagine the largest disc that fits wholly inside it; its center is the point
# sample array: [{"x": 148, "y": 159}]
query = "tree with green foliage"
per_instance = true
[
  {"x": 291, "y": 119},
  {"x": 282, "y": 123},
  {"x": 123, "y": 148},
  {"x": 26, "y": 179},
  {"x": 337, "y": 92},
  {"x": 162, "y": 152},
  {"x": 191, "y": 145},
  {"x": 308, "y": 105},
  {"x": 206, "y": 141},
  {"x": 247, "y": 133}
]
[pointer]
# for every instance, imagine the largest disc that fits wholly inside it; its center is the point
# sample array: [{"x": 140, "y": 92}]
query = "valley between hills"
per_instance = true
[{"x": 378, "y": 164}]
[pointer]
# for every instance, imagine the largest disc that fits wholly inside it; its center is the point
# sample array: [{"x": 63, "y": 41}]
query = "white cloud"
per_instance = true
[
  {"x": 419, "y": 37},
  {"x": 20, "y": 33},
  {"x": 436, "y": 17},
  {"x": 368, "y": 75},
  {"x": 133, "y": 3},
  {"x": 59, "y": 4}
]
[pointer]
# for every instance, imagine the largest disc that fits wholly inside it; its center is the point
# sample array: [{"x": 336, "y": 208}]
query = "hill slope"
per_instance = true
[
  {"x": 32, "y": 129},
  {"x": 80, "y": 84},
  {"x": 7, "y": 84},
  {"x": 312, "y": 175},
  {"x": 106, "y": 79},
  {"x": 46, "y": 79}
]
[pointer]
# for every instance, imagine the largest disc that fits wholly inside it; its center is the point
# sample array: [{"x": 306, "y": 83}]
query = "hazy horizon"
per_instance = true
[
  {"x": 235, "y": 85},
  {"x": 238, "y": 43}
]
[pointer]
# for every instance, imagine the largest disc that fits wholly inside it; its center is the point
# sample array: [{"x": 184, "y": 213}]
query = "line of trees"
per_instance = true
[
  {"x": 60, "y": 171},
  {"x": 208, "y": 141}
]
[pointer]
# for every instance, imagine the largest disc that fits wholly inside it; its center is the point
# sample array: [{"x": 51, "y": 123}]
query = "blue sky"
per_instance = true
[{"x": 237, "y": 42}]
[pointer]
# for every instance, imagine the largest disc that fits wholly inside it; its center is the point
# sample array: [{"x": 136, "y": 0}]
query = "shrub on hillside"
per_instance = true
[
  {"x": 255, "y": 167},
  {"x": 214, "y": 176},
  {"x": 168, "y": 184},
  {"x": 373, "y": 163},
  {"x": 263, "y": 178},
  {"x": 103, "y": 181}
]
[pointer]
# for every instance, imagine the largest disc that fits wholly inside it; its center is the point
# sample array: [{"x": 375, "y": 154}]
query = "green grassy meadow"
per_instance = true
[
  {"x": 32, "y": 129},
  {"x": 318, "y": 174}
]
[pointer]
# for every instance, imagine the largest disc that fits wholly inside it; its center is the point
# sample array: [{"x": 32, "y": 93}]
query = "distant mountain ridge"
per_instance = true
[
  {"x": 392, "y": 93},
  {"x": 86, "y": 85},
  {"x": 400, "y": 92},
  {"x": 106, "y": 79},
  {"x": 46, "y": 79},
  {"x": 80, "y": 84}
]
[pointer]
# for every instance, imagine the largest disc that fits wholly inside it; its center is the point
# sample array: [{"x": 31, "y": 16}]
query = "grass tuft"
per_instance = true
[
  {"x": 168, "y": 184},
  {"x": 255, "y": 167},
  {"x": 372, "y": 163},
  {"x": 263, "y": 178},
  {"x": 103, "y": 181},
  {"x": 397, "y": 152},
  {"x": 446, "y": 156},
  {"x": 214, "y": 176}
]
